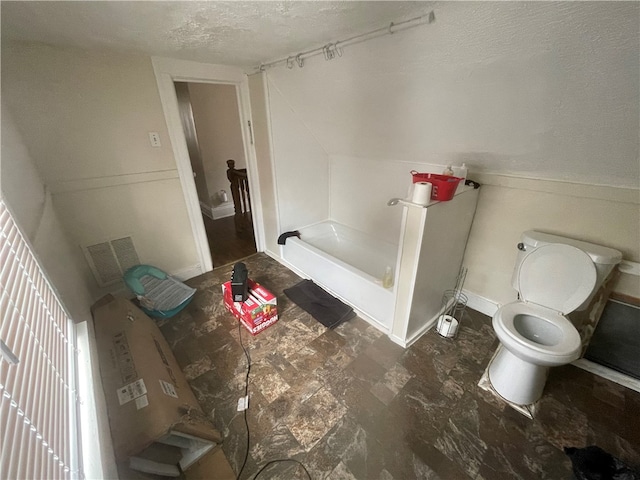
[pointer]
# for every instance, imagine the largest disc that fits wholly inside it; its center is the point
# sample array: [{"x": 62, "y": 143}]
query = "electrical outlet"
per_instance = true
[
  {"x": 243, "y": 403},
  {"x": 154, "y": 138}
]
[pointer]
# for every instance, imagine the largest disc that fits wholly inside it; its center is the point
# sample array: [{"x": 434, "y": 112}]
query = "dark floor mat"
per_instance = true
[
  {"x": 616, "y": 340},
  {"x": 326, "y": 309}
]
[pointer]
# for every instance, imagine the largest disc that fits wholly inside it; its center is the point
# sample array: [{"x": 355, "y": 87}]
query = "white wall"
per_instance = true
[
  {"x": 508, "y": 206},
  {"x": 151, "y": 211},
  {"x": 217, "y": 119},
  {"x": 301, "y": 165},
  {"x": 21, "y": 184},
  {"x": 542, "y": 89},
  {"x": 361, "y": 188},
  {"x": 263, "y": 149},
  {"x": 30, "y": 203},
  {"x": 85, "y": 118},
  {"x": 542, "y": 93}
]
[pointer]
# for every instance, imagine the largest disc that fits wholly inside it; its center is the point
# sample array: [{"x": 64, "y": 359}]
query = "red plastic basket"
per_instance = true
[{"x": 443, "y": 187}]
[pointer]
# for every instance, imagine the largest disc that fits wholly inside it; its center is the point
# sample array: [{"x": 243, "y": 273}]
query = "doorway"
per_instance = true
[{"x": 209, "y": 114}]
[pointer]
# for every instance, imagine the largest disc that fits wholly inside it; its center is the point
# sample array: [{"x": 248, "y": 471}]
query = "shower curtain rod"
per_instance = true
[{"x": 331, "y": 50}]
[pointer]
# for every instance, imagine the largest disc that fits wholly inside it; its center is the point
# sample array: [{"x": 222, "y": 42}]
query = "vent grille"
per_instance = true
[
  {"x": 125, "y": 253},
  {"x": 109, "y": 260}
]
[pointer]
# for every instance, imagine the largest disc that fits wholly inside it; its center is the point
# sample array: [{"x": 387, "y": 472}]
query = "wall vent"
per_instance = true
[{"x": 110, "y": 259}]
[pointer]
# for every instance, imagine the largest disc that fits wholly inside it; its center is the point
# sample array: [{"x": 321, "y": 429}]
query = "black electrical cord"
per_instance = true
[
  {"x": 246, "y": 393},
  {"x": 283, "y": 460}
]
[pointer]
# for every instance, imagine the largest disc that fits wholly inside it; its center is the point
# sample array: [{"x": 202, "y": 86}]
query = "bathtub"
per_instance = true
[{"x": 347, "y": 263}]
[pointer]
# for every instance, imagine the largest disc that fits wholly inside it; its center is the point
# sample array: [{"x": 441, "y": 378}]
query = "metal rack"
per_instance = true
[{"x": 454, "y": 303}]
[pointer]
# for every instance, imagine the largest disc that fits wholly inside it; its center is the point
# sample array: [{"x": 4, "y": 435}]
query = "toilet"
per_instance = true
[{"x": 553, "y": 276}]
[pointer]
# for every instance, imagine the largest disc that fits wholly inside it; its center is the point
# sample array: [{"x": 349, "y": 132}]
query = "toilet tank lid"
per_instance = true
[{"x": 599, "y": 254}]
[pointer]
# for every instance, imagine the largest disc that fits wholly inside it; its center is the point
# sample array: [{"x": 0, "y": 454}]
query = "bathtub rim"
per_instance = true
[{"x": 359, "y": 232}]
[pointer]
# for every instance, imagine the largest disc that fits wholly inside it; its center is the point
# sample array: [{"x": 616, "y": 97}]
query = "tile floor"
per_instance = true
[{"x": 349, "y": 403}]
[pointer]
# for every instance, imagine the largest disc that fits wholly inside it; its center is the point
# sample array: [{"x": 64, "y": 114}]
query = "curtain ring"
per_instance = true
[
  {"x": 332, "y": 49},
  {"x": 331, "y": 54},
  {"x": 289, "y": 63},
  {"x": 300, "y": 60},
  {"x": 390, "y": 27}
]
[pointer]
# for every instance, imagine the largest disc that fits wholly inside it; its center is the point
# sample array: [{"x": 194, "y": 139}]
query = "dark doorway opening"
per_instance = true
[
  {"x": 225, "y": 243},
  {"x": 211, "y": 122}
]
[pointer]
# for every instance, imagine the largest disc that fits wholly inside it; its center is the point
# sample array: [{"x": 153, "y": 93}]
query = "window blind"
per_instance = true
[{"x": 38, "y": 397}]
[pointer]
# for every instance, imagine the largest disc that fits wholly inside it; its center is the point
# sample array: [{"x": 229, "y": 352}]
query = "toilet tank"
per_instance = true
[{"x": 604, "y": 258}]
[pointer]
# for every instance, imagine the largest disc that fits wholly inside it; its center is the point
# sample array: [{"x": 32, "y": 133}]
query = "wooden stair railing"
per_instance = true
[{"x": 241, "y": 197}]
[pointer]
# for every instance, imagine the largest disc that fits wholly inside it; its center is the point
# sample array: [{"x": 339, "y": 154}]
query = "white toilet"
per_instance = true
[{"x": 554, "y": 276}]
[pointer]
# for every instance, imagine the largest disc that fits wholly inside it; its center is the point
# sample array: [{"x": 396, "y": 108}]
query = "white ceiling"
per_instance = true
[{"x": 237, "y": 33}]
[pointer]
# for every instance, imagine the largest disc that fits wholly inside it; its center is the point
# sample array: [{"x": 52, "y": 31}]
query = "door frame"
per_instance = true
[{"x": 168, "y": 70}]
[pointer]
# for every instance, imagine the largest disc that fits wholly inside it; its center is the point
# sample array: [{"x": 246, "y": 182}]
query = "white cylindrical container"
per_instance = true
[
  {"x": 387, "y": 278},
  {"x": 421, "y": 193},
  {"x": 447, "y": 326},
  {"x": 462, "y": 172}
]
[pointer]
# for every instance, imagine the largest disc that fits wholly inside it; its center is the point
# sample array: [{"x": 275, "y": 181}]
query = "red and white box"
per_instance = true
[{"x": 257, "y": 312}]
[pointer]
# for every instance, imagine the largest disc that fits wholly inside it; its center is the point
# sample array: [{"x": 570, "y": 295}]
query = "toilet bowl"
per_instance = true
[
  {"x": 552, "y": 281},
  {"x": 537, "y": 334},
  {"x": 532, "y": 339}
]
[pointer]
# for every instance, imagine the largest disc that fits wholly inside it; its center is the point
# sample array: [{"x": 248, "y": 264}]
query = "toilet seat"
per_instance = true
[
  {"x": 556, "y": 276},
  {"x": 553, "y": 280},
  {"x": 564, "y": 351}
]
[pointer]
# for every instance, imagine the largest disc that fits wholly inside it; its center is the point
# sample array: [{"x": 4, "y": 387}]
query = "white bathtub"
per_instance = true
[{"x": 347, "y": 263}]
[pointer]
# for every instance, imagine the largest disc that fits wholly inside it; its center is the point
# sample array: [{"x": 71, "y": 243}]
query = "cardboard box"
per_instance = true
[
  {"x": 213, "y": 466},
  {"x": 257, "y": 312},
  {"x": 148, "y": 398}
]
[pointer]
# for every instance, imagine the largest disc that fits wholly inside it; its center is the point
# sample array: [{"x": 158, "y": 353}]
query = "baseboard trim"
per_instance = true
[
  {"x": 421, "y": 331},
  {"x": 187, "y": 272},
  {"x": 206, "y": 210},
  {"x": 223, "y": 210},
  {"x": 481, "y": 304},
  {"x": 608, "y": 373},
  {"x": 397, "y": 340},
  {"x": 406, "y": 343},
  {"x": 629, "y": 267}
]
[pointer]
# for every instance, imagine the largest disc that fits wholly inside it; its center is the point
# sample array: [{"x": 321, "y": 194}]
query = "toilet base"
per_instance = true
[{"x": 515, "y": 380}]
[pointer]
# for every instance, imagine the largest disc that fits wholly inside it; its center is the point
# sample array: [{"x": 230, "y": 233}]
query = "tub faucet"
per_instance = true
[{"x": 282, "y": 239}]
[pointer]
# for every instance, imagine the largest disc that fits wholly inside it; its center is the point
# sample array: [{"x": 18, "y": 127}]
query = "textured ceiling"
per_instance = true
[{"x": 230, "y": 33}]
